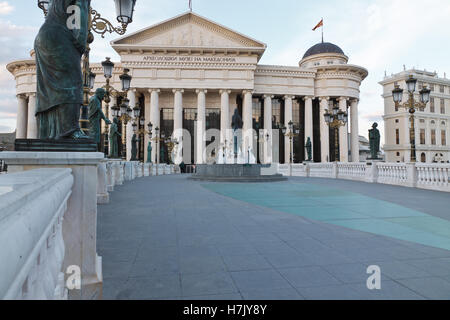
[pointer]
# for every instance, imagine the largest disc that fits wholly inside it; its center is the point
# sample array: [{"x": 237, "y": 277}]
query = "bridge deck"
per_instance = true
[{"x": 168, "y": 237}]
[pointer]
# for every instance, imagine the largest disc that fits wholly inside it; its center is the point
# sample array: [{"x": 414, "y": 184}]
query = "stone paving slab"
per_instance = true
[{"x": 170, "y": 238}]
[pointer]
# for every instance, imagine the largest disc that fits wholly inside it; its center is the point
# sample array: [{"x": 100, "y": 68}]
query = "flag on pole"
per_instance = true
[
  {"x": 320, "y": 24},
  {"x": 190, "y": 5}
]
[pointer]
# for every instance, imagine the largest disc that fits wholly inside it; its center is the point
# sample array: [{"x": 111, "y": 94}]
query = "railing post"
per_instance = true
[
  {"x": 371, "y": 172},
  {"x": 411, "y": 175},
  {"x": 334, "y": 172}
]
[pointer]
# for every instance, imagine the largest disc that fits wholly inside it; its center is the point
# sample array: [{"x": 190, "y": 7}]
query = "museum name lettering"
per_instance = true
[{"x": 189, "y": 59}]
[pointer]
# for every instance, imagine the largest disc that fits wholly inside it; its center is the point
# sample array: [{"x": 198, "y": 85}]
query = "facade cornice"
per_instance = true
[
  {"x": 21, "y": 66},
  {"x": 195, "y": 65},
  {"x": 284, "y": 71}
]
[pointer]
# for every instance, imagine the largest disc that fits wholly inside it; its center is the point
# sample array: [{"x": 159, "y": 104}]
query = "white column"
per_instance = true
[
  {"x": 154, "y": 118},
  {"x": 287, "y": 119},
  {"x": 343, "y": 133},
  {"x": 268, "y": 129},
  {"x": 32, "y": 130},
  {"x": 225, "y": 127},
  {"x": 324, "y": 131},
  {"x": 132, "y": 97},
  {"x": 309, "y": 122},
  {"x": 355, "y": 130},
  {"x": 22, "y": 115},
  {"x": 247, "y": 116},
  {"x": 201, "y": 126},
  {"x": 178, "y": 123}
]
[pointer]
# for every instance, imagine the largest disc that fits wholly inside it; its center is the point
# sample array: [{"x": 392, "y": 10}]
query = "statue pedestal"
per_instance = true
[
  {"x": 80, "y": 220},
  {"x": 370, "y": 161},
  {"x": 63, "y": 145}
]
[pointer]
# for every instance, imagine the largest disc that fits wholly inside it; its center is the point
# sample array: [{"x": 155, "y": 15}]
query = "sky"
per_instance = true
[{"x": 380, "y": 35}]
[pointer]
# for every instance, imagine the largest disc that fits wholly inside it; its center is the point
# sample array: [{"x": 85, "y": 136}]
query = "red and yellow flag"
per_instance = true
[{"x": 320, "y": 24}]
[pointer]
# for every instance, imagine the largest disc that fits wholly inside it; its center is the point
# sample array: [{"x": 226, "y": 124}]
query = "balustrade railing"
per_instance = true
[
  {"x": 32, "y": 207},
  {"x": 420, "y": 175}
]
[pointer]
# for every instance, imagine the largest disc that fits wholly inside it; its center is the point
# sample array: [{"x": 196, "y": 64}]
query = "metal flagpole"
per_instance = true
[{"x": 322, "y": 29}]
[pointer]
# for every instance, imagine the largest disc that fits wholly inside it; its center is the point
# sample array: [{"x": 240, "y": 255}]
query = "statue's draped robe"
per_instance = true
[
  {"x": 95, "y": 116},
  {"x": 374, "y": 137},
  {"x": 134, "y": 148},
  {"x": 58, "y": 70},
  {"x": 113, "y": 140}
]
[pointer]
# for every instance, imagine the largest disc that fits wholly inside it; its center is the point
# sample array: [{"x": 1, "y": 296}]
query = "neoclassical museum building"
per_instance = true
[{"x": 190, "y": 74}]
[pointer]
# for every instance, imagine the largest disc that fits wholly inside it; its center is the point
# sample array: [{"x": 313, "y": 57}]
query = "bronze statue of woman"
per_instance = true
[
  {"x": 58, "y": 70},
  {"x": 114, "y": 136}
]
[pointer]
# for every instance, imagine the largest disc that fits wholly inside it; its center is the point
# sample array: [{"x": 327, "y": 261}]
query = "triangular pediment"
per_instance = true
[{"x": 188, "y": 30}]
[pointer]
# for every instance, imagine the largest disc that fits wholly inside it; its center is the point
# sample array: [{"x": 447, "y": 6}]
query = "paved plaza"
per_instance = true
[{"x": 168, "y": 237}]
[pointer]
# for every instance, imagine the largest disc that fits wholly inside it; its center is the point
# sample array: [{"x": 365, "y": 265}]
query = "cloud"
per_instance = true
[{"x": 5, "y": 8}]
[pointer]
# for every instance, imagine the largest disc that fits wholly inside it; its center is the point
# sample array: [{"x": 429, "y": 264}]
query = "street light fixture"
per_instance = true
[
  {"x": 290, "y": 134},
  {"x": 336, "y": 119},
  {"x": 411, "y": 105}
]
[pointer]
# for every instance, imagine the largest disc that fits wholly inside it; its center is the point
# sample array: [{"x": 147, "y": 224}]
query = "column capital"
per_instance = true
[
  {"x": 289, "y": 96},
  {"x": 201, "y": 91},
  {"x": 324, "y": 99},
  {"x": 21, "y": 96},
  {"x": 31, "y": 94},
  {"x": 244, "y": 92},
  {"x": 271, "y": 96},
  {"x": 178, "y": 90},
  {"x": 307, "y": 98},
  {"x": 154, "y": 90},
  {"x": 224, "y": 91},
  {"x": 354, "y": 100},
  {"x": 344, "y": 98}
]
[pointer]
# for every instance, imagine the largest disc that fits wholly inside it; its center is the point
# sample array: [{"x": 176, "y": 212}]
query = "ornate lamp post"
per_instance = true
[
  {"x": 411, "y": 105},
  {"x": 124, "y": 114},
  {"x": 125, "y": 79},
  {"x": 99, "y": 25},
  {"x": 290, "y": 134},
  {"x": 336, "y": 119}
]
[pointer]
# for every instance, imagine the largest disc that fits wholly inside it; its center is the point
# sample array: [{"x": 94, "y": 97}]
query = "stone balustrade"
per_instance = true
[
  {"x": 32, "y": 208},
  {"x": 425, "y": 176}
]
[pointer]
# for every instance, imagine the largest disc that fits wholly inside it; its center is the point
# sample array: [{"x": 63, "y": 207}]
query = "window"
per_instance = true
[
  {"x": 422, "y": 120},
  {"x": 442, "y": 106},
  {"x": 420, "y": 85},
  {"x": 443, "y": 123},
  {"x": 398, "y": 154},
  {"x": 432, "y": 105},
  {"x": 433, "y": 137},
  {"x": 396, "y": 121},
  {"x": 422, "y": 136},
  {"x": 423, "y": 157},
  {"x": 397, "y": 136},
  {"x": 441, "y": 89},
  {"x": 444, "y": 137},
  {"x": 432, "y": 87}
]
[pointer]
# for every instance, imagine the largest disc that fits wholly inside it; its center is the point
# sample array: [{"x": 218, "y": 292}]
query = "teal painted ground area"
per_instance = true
[{"x": 343, "y": 208}]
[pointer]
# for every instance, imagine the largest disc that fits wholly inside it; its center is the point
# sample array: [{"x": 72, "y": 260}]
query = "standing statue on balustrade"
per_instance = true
[
  {"x": 308, "y": 147},
  {"x": 134, "y": 142},
  {"x": 59, "y": 92},
  {"x": 96, "y": 115},
  {"x": 374, "y": 139},
  {"x": 114, "y": 136}
]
